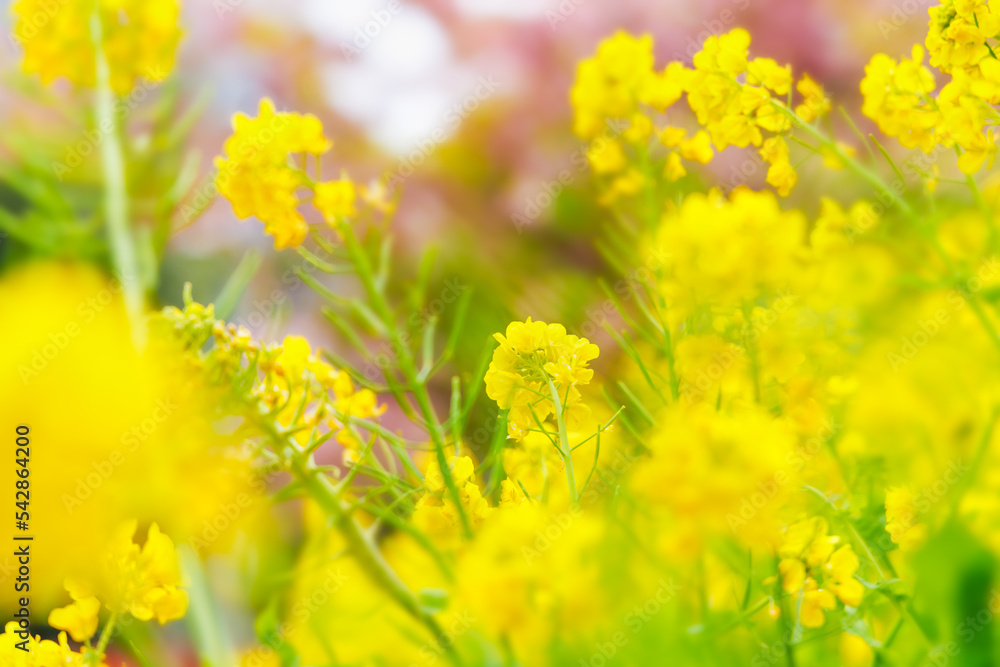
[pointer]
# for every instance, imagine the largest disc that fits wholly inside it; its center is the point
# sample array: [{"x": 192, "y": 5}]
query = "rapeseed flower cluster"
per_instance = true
[
  {"x": 762, "y": 400},
  {"x": 900, "y": 95},
  {"x": 289, "y": 382},
  {"x": 725, "y": 253},
  {"x": 143, "y": 582},
  {"x": 813, "y": 567},
  {"x": 139, "y": 39},
  {"x": 537, "y": 372},
  {"x": 783, "y": 443},
  {"x": 435, "y": 510},
  {"x": 261, "y": 177},
  {"x": 37, "y": 652},
  {"x": 736, "y": 100}
]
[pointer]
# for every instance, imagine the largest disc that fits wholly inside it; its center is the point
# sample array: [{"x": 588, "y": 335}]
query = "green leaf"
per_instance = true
[
  {"x": 231, "y": 293},
  {"x": 203, "y": 617},
  {"x": 268, "y": 629}
]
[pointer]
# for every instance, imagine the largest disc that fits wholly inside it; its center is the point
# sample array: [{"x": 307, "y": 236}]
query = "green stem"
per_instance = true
[
  {"x": 322, "y": 490},
  {"x": 862, "y": 171},
  {"x": 203, "y": 617},
  {"x": 874, "y": 179},
  {"x": 668, "y": 348},
  {"x": 97, "y": 655},
  {"x": 980, "y": 314},
  {"x": 977, "y": 460},
  {"x": 564, "y": 449},
  {"x": 868, "y": 551},
  {"x": 123, "y": 253},
  {"x": 408, "y": 367},
  {"x": 984, "y": 208}
]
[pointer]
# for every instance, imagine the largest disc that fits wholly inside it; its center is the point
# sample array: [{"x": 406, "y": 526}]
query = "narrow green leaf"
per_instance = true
[{"x": 229, "y": 298}]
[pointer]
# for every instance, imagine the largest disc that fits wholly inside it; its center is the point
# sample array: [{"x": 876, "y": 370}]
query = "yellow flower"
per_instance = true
[
  {"x": 610, "y": 84},
  {"x": 294, "y": 356},
  {"x": 705, "y": 464},
  {"x": 671, "y": 137},
  {"x": 663, "y": 89},
  {"x": 257, "y": 176},
  {"x": 698, "y": 148},
  {"x": 79, "y": 619},
  {"x": 793, "y": 574},
  {"x": 606, "y": 157},
  {"x": 623, "y": 185},
  {"x": 733, "y": 112},
  {"x": 335, "y": 199},
  {"x": 897, "y": 97},
  {"x": 811, "y": 567},
  {"x": 726, "y": 252},
  {"x": 780, "y": 174},
  {"x": 673, "y": 169},
  {"x": 766, "y": 72},
  {"x": 841, "y": 568},
  {"x": 40, "y": 652},
  {"x": 809, "y": 541},
  {"x": 814, "y": 602},
  {"x": 529, "y": 591},
  {"x": 142, "y": 582},
  {"x": 855, "y": 651},
  {"x": 511, "y": 493},
  {"x": 532, "y": 359},
  {"x": 145, "y": 581},
  {"x": 958, "y": 33},
  {"x": 639, "y": 129},
  {"x": 815, "y": 103},
  {"x": 362, "y": 403},
  {"x": 735, "y": 100},
  {"x": 139, "y": 38},
  {"x": 725, "y": 53},
  {"x": 436, "y": 509},
  {"x": 141, "y": 419},
  {"x": 900, "y": 519},
  {"x": 983, "y": 148}
]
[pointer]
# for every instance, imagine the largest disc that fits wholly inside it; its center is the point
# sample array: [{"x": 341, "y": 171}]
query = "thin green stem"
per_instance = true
[
  {"x": 862, "y": 171},
  {"x": 984, "y": 209},
  {"x": 417, "y": 384},
  {"x": 874, "y": 179},
  {"x": 983, "y": 447},
  {"x": 322, "y": 490},
  {"x": 123, "y": 253},
  {"x": 868, "y": 551},
  {"x": 564, "y": 449},
  {"x": 95, "y": 657}
]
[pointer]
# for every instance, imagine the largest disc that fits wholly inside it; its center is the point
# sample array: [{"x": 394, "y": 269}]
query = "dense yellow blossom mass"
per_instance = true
[
  {"x": 139, "y": 39},
  {"x": 776, "y": 444}
]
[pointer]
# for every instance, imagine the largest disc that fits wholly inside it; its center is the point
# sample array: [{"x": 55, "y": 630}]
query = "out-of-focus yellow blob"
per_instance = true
[
  {"x": 139, "y": 39},
  {"x": 114, "y": 434}
]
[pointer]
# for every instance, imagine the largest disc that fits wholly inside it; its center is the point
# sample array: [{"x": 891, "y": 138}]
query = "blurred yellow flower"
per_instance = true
[
  {"x": 145, "y": 582},
  {"x": 901, "y": 519},
  {"x": 257, "y": 175},
  {"x": 79, "y": 619},
  {"x": 139, "y": 38},
  {"x": 133, "y": 438},
  {"x": 37, "y": 652},
  {"x": 335, "y": 199}
]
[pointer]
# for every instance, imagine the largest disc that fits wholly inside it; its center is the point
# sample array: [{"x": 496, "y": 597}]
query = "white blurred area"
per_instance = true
[{"x": 395, "y": 79}]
